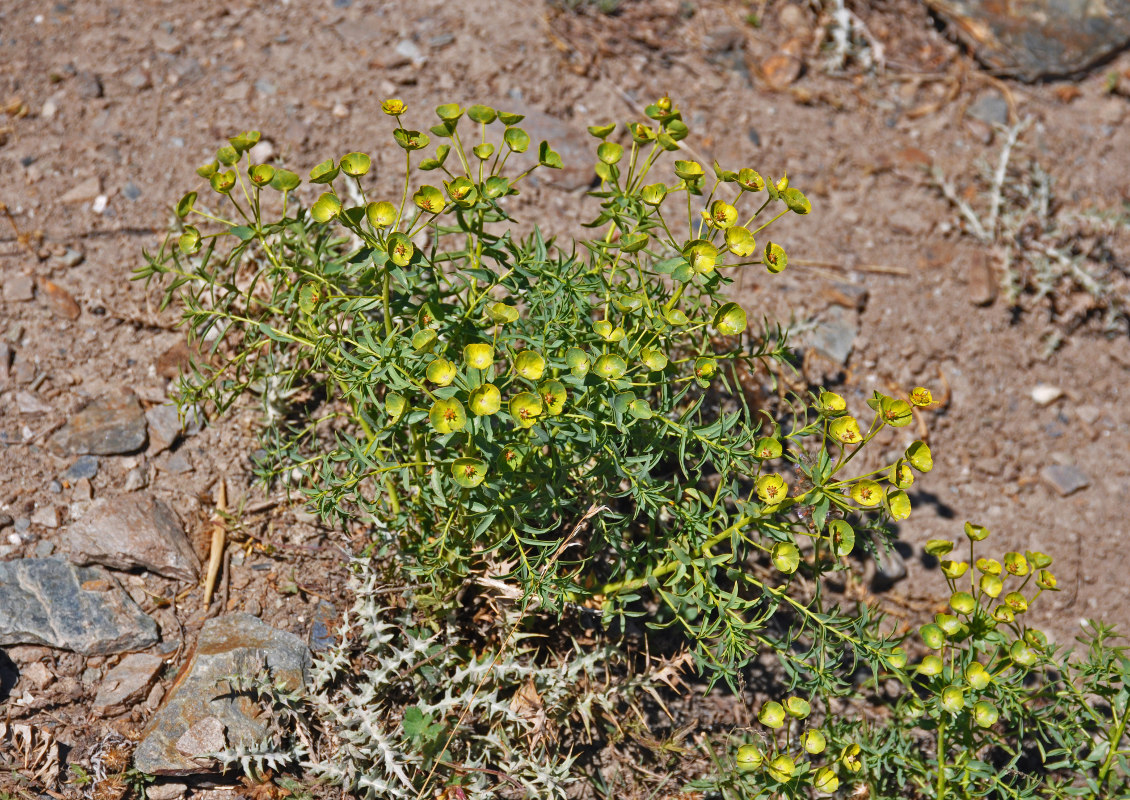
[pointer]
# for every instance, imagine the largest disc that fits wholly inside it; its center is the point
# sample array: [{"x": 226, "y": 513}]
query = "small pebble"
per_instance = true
[
  {"x": 1065, "y": 479},
  {"x": 22, "y": 524},
  {"x": 1043, "y": 395},
  {"x": 55, "y": 487},
  {"x": 84, "y": 467},
  {"x": 131, "y": 191}
]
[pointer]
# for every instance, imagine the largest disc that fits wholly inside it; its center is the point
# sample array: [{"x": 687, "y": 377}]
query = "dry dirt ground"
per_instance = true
[{"x": 111, "y": 106}]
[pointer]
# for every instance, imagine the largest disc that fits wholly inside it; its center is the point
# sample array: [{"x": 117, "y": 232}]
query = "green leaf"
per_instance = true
[
  {"x": 324, "y": 172},
  {"x": 410, "y": 140},
  {"x": 548, "y": 158},
  {"x": 185, "y": 205},
  {"x": 516, "y": 139},
  {"x": 602, "y": 131},
  {"x": 484, "y": 115},
  {"x": 242, "y": 232},
  {"x": 509, "y": 118},
  {"x": 285, "y": 180}
]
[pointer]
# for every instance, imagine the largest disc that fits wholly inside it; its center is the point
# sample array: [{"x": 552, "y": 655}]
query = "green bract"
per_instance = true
[
  {"x": 485, "y": 400},
  {"x": 355, "y": 164},
  {"x": 772, "y": 714},
  {"x": 529, "y": 364},
  {"x": 469, "y": 472},
  {"x": 478, "y": 355}
]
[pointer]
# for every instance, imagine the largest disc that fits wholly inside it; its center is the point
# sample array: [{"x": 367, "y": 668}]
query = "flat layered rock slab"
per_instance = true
[
  {"x": 202, "y": 714},
  {"x": 106, "y": 427},
  {"x": 1034, "y": 39},
  {"x": 51, "y": 602},
  {"x": 134, "y": 531}
]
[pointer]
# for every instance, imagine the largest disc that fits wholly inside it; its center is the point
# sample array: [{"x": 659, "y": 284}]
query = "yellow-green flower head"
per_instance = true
[
  {"x": 529, "y": 364},
  {"x": 485, "y": 400},
  {"x": 748, "y": 758},
  {"x": 867, "y": 493},
  {"x": 832, "y": 404},
  {"x": 813, "y": 742},
  {"x": 750, "y": 180},
  {"x": 1045, "y": 580},
  {"x": 526, "y": 408},
  {"x": 1016, "y": 564},
  {"x": 578, "y": 361},
  {"x": 722, "y": 215},
  {"x": 502, "y": 313},
  {"x": 553, "y": 397},
  {"x": 394, "y": 106},
  {"x": 441, "y": 372},
  {"x": 921, "y": 397},
  {"x": 478, "y": 355},
  {"x": 381, "y": 214},
  {"x": 772, "y": 715},
  {"x": 781, "y": 768},
  {"x": 953, "y": 699},
  {"x": 851, "y": 759},
  {"x": 468, "y": 472},
  {"x": 447, "y": 416},
  {"x": 991, "y": 585},
  {"x": 985, "y": 714},
  {"x": 785, "y": 557},
  {"x": 977, "y": 676},
  {"x": 826, "y": 781},
  {"x": 845, "y": 430},
  {"x": 772, "y": 489}
]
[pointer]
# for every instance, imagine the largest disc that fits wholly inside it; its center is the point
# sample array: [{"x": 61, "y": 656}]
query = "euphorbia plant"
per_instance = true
[{"x": 569, "y": 418}]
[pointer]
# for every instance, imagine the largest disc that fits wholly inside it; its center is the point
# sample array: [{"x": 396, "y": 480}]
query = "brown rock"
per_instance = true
[
  {"x": 127, "y": 684},
  {"x": 135, "y": 531},
  {"x": 84, "y": 192},
  {"x": 19, "y": 288},
  {"x": 982, "y": 281},
  {"x": 108, "y": 426},
  {"x": 784, "y": 67},
  {"x": 61, "y": 302}
]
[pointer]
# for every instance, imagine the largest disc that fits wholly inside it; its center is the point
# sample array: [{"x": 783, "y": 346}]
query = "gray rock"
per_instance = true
[
  {"x": 71, "y": 258},
  {"x": 127, "y": 684},
  {"x": 88, "y": 85},
  {"x": 1039, "y": 38},
  {"x": 1065, "y": 478},
  {"x": 5, "y": 363},
  {"x": 108, "y": 426},
  {"x": 990, "y": 108},
  {"x": 131, "y": 532},
  {"x": 43, "y": 548},
  {"x": 49, "y": 601},
  {"x": 165, "y": 427},
  {"x": 84, "y": 467},
  {"x": 203, "y": 737},
  {"x": 234, "y": 644},
  {"x": 835, "y": 338},
  {"x": 890, "y": 568},
  {"x": 136, "y": 478}
]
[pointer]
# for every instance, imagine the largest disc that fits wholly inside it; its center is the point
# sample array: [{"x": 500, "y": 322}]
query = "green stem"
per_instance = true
[
  {"x": 941, "y": 790},
  {"x": 1114, "y": 741}
]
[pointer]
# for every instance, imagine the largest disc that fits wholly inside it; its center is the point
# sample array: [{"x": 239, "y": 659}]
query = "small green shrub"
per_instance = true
[{"x": 570, "y": 425}]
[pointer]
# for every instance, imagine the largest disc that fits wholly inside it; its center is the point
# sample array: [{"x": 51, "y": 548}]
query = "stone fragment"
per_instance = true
[
  {"x": 793, "y": 19},
  {"x": 71, "y": 258},
  {"x": 890, "y": 568},
  {"x": 165, "y": 42},
  {"x": 1039, "y": 38},
  {"x": 982, "y": 281},
  {"x": 848, "y": 295},
  {"x": 5, "y": 364},
  {"x": 108, "y": 426},
  {"x": 1087, "y": 414},
  {"x": 135, "y": 531},
  {"x": 1045, "y": 395},
  {"x": 88, "y": 86},
  {"x": 165, "y": 427},
  {"x": 127, "y": 684},
  {"x": 84, "y": 467},
  {"x": 29, "y": 404},
  {"x": 46, "y": 517},
  {"x": 49, "y": 601},
  {"x": 568, "y": 141},
  {"x": 234, "y": 644},
  {"x": 37, "y": 675},
  {"x": 136, "y": 478},
  {"x": 784, "y": 67},
  {"x": 166, "y": 791},
  {"x": 85, "y": 192},
  {"x": 1065, "y": 478},
  {"x": 203, "y": 737},
  {"x": 323, "y": 627},
  {"x": 835, "y": 338},
  {"x": 61, "y": 302},
  {"x": 82, "y": 490},
  {"x": 19, "y": 288},
  {"x": 991, "y": 108}
]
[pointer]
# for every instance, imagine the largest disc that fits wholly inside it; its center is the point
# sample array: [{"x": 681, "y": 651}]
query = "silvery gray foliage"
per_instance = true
[{"x": 516, "y": 722}]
